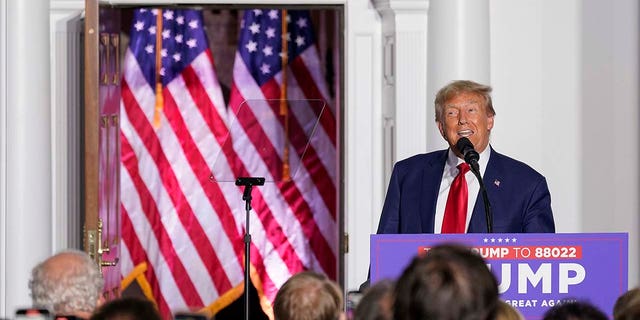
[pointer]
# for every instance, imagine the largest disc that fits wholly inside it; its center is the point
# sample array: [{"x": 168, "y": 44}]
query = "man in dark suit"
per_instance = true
[{"x": 418, "y": 195}]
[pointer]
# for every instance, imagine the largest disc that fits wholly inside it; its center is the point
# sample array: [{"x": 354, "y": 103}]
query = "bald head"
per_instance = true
[{"x": 67, "y": 283}]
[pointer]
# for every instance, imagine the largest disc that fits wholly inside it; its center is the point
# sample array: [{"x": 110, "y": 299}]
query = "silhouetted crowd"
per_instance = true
[{"x": 449, "y": 282}]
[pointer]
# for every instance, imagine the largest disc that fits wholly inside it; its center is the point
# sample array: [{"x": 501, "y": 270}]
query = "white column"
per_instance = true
[
  {"x": 405, "y": 102},
  {"x": 458, "y": 49},
  {"x": 25, "y": 156},
  {"x": 364, "y": 185}
]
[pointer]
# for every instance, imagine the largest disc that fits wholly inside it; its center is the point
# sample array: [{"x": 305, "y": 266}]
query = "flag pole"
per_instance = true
[
  {"x": 284, "y": 108},
  {"x": 159, "y": 98}
]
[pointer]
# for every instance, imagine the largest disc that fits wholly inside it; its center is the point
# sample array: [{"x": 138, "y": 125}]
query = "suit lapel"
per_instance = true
[
  {"x": 478, "y": 223},
  {"x": 431, "y": 179}
]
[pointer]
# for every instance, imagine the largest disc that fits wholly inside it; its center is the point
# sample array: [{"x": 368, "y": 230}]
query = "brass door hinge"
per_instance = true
[{"x": 345, "y": 243}]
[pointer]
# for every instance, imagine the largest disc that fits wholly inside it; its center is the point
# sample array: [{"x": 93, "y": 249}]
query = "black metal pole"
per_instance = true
[
  {"x": 485, "y": 199},
  {"x": 248, "y": 184},
  {"x": 247, "y": 250}
]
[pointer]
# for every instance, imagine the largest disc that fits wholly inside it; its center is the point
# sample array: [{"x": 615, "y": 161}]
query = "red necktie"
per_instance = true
[{"x": 455, "y": 213}]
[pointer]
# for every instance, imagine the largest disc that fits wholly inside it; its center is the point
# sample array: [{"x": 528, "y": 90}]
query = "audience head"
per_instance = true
[
  {"x": 506, "y": 311},
  {"x": 68, "y": 283},
  {"x": 308, "y": 296},
  {"x": 127, "y": 309},
  {"x": 449, "y": 282},
  {"x": 377, "y": 302},
  {"x": 579, "y": 310},
  {"x": 628, "y": 305}
]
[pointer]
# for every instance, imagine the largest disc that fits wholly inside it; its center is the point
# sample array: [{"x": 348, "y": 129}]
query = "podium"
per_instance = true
[{"x": 534, "y": 271}]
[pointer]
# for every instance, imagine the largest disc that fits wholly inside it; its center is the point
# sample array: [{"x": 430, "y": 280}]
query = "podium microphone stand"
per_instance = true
[{"x": 248, "y": 183}]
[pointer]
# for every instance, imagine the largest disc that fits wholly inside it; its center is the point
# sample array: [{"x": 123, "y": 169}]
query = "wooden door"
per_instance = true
[{"x": 101, "y": 141}]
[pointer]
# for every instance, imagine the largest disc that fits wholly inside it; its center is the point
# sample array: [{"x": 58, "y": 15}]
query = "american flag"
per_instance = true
[
  {"x": 298, "y": 227},
  {"x": 177, "y": 225},
  {"x": 187, "y": 228}
]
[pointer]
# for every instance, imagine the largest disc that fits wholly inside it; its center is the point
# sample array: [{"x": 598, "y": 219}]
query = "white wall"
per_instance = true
[
  {"x": 565, "y": 79},
  {"x": 25, "y": 151},
  {"x": 610, "y": 118}
]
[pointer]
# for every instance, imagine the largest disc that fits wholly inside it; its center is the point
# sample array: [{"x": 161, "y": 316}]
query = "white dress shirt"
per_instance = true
[{"x": 450, "y": 172}]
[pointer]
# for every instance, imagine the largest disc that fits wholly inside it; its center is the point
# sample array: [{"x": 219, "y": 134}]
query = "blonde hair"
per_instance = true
[
  {"x": 308, "y": 296},
  {"x": 460, "y": 86},
  {"x": 506, "y": 311}
]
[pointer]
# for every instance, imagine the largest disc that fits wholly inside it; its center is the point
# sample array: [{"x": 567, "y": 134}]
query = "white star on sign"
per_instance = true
[
  {"x": 178, "y": 38},
  {"x": 152, "y": 30},
  {"x": 180, "y": 20},
  {"x": 193, "y": 24},
  {"x": 192, "y": 43},
  {"x": 163, "y": 53},
  {"x": 149, "y": 48},
  {"x": 257, "y": 12},
  {"x": 176, "y": 57},
  {"x": 273, "y": 14},
  {"x": 300, "y": 41},
  {"x": 166, "y": 34},
  {"x": 251, "y": 46}
]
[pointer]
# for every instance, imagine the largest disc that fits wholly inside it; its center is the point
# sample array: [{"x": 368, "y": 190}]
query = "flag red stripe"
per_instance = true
[
  {"x": 273, "y": 231},
  {"x": 182, "y": 207},
  {"x": 308, "y": 86},
  {"x": 212, "y": 190},
  {"x": 292, "y": 195},
  {"x": 150, "y": 210},
  {"x": 317, "y": 241},
  {"x": 278, "y": 239},
  {"x": 313, "y": 164},
  {"x": 138, "y": 256}
]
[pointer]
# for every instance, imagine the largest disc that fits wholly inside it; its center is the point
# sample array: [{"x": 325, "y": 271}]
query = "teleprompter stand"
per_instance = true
[
  {"x": 248, "y": 183},
  {"x": 242, "y": 158}
]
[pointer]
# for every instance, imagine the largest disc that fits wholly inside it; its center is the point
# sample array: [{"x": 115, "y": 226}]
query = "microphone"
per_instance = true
[
  {"x": 470, "y": 154},
  {"x": 471, "y": 157}
]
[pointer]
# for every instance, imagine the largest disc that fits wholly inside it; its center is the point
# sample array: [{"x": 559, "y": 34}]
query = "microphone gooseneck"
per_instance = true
[{"x": 471, "y": 156}]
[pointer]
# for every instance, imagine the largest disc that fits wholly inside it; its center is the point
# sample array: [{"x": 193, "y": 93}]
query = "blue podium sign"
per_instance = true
[{"x": 535, "y": 271}]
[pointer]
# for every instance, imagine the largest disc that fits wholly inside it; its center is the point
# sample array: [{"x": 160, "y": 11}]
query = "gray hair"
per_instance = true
[
  {"x": 67, "y": 282},
  {"x": 460, "y": 86}
]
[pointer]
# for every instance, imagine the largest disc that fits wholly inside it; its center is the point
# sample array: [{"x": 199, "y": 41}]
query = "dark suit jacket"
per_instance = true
[{"x": 519, "y": 196}]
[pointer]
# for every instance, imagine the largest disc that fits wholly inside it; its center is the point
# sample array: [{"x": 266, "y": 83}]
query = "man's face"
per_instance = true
[{"x": 465, "y": 115}]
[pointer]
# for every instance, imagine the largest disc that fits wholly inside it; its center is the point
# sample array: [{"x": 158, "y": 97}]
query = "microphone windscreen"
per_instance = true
[{"x": 464, "y": 145}]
